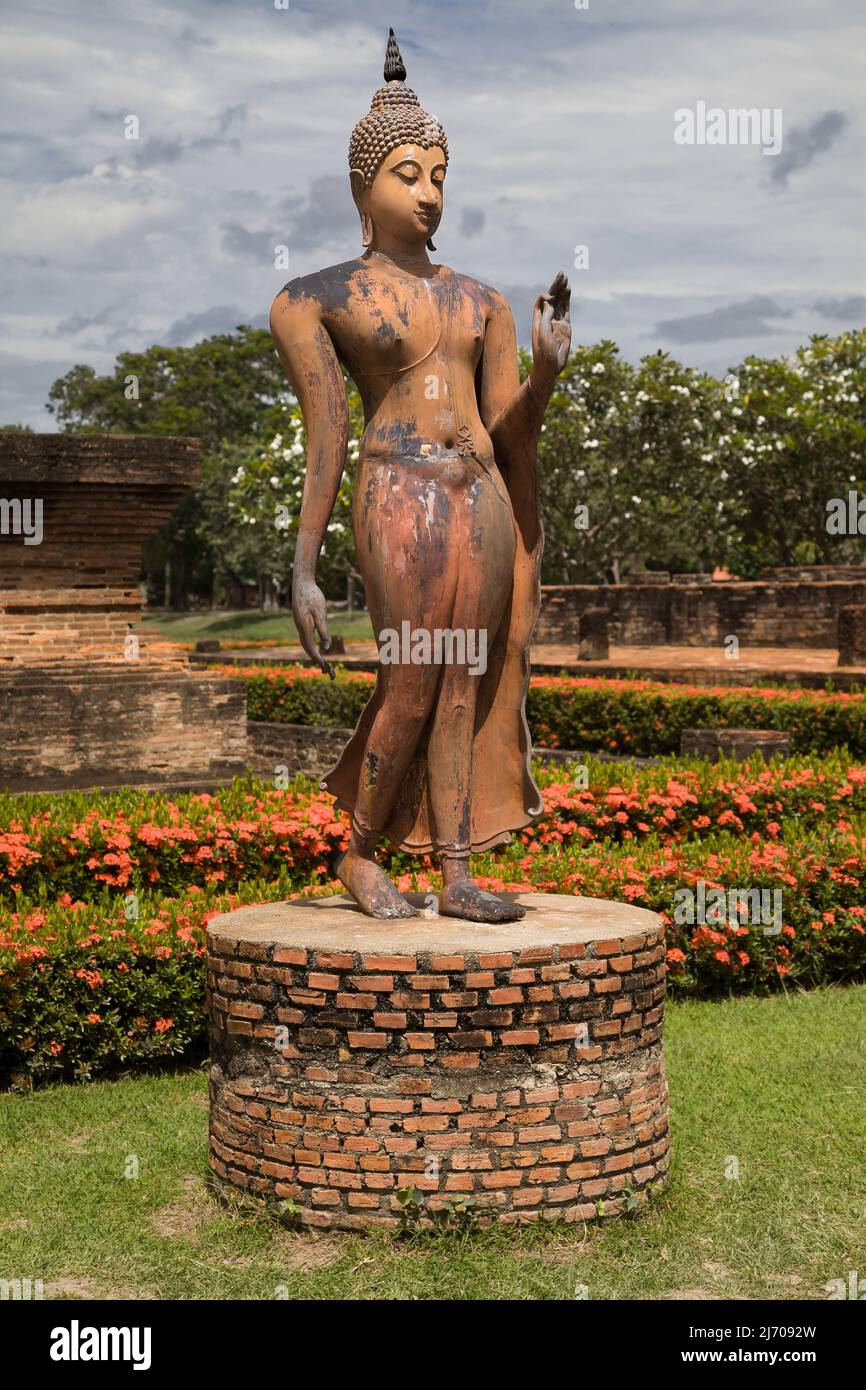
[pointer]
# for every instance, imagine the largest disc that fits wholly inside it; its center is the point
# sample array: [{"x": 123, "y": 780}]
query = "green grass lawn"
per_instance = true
[
  {"x": 251, "y": 626},
  {"x": 777, "y": 1083}
]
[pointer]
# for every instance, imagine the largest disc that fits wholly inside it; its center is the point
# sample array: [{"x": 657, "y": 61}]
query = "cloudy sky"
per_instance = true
[{"x": 560, "y": 123}]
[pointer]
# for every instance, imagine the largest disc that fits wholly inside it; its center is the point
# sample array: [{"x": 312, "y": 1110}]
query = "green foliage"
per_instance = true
[{"x": 218, "y": 390}]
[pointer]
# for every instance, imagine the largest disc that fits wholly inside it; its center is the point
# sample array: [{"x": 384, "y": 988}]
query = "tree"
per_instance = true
[
  {"x": 215, "y": 391},
  {"x": 793, "y": 439},
  {"x": 251, "y": 505},
  {"x": 627, "y": 468}
]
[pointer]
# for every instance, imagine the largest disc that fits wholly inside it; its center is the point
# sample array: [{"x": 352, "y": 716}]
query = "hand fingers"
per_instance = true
[{"x": 562, "y": 296}]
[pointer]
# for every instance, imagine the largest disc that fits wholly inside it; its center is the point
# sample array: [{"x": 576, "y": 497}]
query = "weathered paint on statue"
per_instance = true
[{"x": 445, "y": 514}]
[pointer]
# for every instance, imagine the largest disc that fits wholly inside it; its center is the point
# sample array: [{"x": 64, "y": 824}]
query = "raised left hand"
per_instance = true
[{"x": 551, "y": 329}]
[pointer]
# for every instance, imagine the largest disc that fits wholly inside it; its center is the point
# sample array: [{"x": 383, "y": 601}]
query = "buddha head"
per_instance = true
[{"x": 398, "y": 155}]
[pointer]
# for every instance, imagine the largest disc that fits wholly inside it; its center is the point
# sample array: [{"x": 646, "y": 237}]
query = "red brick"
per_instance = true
[
  {"x": 371, "y": 1040},
  {"x": 509, "y": 1178},
  {"x": 520, "y": 1037},
  {"x": 357, "y": 1001},
  {"x": 535, "y": 1134},
  {"x": 607, "y": 986},
  {"x": 401, "y": 965},
  {"x": 334, "y": 960},
  {"x": 622, "y": 964},
  {"x": 509, "y": 995},
  {"x": 409, "y": 999},
  {"x": 592, "y": 1148},
  {"x": 289, "y": 955},
  {"x": 317, "y": 980}
]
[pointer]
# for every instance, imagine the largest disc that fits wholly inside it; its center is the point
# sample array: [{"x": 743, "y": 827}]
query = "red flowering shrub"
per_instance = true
[
  {"x": 129, "y": 841},
  {"x": 104, "y": 900}
]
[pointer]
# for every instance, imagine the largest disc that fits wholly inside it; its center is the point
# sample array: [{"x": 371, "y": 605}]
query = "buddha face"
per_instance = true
[{"x": 404, "y": 201}]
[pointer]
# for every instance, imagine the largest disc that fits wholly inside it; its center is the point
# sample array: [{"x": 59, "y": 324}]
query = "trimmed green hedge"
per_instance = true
[{"x": 641, "y": 717}]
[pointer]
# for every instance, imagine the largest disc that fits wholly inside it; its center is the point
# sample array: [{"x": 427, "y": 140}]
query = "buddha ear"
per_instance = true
[
  {"x": 359, "y": 188},
  {"x": 430, "y": 246}
]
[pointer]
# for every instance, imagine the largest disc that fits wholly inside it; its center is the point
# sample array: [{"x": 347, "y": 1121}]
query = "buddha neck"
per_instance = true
[{"x": 417, "y": 262}]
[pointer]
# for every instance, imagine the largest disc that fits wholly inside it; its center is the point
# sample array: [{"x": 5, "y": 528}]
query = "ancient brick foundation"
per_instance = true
[
  {"x": 789, "y": 611},
  {"x": 518, "y": 1067},
  {"x": 133, "y": 724}
]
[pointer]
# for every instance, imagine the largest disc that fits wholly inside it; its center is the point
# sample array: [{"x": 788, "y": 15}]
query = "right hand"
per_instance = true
[{"x": 310, "y": 614}]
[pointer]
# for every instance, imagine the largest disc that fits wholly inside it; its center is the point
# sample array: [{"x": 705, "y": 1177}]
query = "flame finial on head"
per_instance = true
[{"x": 395, "y": 69}]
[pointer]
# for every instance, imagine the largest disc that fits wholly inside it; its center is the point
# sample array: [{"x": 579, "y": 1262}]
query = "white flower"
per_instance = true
[
  {"x": 274, "y": 480},
  {"x": 598, "y": 369},
  {"x": 636, "y": 499}
]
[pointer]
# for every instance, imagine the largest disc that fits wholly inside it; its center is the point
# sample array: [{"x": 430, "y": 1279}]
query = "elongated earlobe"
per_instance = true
[
  {"x": 430, "y": 246},
  {"x": 366, "y": 229}
]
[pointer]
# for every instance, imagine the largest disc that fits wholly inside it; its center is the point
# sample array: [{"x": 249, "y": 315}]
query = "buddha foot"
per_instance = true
[
  {"x": 371, "y": 887},
  {"x": 465, "y": 899}
]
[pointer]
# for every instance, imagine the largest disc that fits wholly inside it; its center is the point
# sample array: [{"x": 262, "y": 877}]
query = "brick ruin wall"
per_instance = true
[
  {"x": 783, "y": 612},
  {"x": 75, "y": 595}
]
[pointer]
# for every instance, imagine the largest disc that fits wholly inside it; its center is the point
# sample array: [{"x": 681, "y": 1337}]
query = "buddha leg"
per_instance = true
[
  {"x": 409, "y": 577},
  {"x": 485, "y": 576}
]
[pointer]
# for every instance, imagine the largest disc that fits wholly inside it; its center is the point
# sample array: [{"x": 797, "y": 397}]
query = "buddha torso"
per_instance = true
[{"x": 412, "y": 345}]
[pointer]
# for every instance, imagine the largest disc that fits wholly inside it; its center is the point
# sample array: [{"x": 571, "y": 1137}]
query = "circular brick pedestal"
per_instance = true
[{"x": 518, "y": 1067}]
